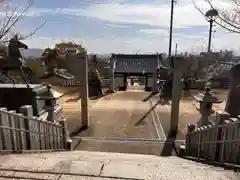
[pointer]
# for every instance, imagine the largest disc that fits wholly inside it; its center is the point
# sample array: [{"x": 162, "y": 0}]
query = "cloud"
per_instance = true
[
  {"x": 148, "y": 13},
  {"x": 145, "y": 44},
  {"x": 148, "y": 19},
  {"x": 116, "y": 26},
  {"x": 158, "y": 32}
]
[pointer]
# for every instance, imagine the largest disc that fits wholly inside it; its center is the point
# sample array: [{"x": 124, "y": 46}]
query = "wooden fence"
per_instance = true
[
  {"x": 20, "y": 132},
  {"x": 218, "y": 143},
  {"x": 73, "y": 82}
]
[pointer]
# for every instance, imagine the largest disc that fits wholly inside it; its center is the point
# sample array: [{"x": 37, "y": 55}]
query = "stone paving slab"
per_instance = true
[
  {"x": 1, "y": 178},
  {"x": 29, "y": 175},
  {"x": 86, "y": 168},
  {"x": 33, "y": 164},
  {"x": 68, "y": 177},
  {"x": 131, "y": 170}
]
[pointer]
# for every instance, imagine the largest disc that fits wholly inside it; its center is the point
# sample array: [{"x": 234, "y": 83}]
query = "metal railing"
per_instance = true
[
  {"x": 219, "y": 143},
  {"x": 20, "y": 133}
]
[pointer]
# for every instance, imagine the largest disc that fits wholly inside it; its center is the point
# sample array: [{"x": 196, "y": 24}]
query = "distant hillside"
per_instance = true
[{"x": 32, "y": 52}]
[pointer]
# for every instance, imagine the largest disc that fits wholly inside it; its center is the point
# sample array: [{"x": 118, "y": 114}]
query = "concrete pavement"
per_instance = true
[{"x": 123, "y": 114}]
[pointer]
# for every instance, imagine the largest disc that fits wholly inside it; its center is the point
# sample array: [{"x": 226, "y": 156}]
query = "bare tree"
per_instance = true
[
  {"x": 227, "y": 18},
  {"x": 11, "y": 17},
  {"x": 199, "y": 46}
]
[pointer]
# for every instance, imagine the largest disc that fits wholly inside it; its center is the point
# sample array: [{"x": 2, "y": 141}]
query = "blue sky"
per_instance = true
[{"x": 107, "y": 26}]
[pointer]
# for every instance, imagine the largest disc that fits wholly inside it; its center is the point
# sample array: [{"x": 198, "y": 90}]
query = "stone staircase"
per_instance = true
[{"x": 103, "y": 165}]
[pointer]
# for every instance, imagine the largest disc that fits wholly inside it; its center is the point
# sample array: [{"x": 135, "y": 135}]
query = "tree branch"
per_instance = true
[
  {"x": 225, "y": 19},
  {"x": 12, "y": 17},
  {"x": 30, "y": 34}
]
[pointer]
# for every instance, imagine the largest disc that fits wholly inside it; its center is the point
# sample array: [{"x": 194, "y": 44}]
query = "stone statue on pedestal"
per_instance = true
[{"x": 14, "y": 61}]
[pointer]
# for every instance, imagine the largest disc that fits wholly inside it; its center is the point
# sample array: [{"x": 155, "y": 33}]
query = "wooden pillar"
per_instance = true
[{"x": 84, "y": 92}]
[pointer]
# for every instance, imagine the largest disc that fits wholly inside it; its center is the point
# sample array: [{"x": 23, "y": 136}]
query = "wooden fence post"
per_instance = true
[
  {"x": 220, "y": 117},
  {"x": 199, "y": 140},
  {"x": 5, "y": 134},
  {"x": 14, "y": 133},
  {"x": 27, "y": 111},
  {"x": 231, "y": 146},
  {"x": 191, "y": 128},
  {"x": 20, "y": 118}
]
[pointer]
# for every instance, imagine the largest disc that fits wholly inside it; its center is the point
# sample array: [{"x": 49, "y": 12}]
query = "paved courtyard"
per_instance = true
[{"x": 125, "y": 114}]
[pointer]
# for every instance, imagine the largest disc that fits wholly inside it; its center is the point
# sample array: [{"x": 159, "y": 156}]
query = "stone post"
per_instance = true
[
  {"x": 154, "y": 85},
  {"x": 112, "y": 79},
  {"x": 179, "y": 64},
  {"x": 84, "y": 92},
  {"x": 233, "y": 99},
  {"x": 50, "y": 103},
  {"x": 112, "y": 84},
  {"x": 66, "y": 139}
]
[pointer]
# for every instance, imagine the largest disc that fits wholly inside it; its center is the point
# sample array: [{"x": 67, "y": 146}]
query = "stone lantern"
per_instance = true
[
  {"x": 205, "y": 101},
  {"x": 50, "y": 102}
]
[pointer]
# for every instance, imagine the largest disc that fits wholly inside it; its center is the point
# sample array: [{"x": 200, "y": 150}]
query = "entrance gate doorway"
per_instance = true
[
  {"x": 135, "y": 65},
  {"x": 123, "y": 81}
]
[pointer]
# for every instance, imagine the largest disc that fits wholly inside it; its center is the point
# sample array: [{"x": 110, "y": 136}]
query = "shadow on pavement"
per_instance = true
[
  {"x": 100, "y": 96},
  {"x": 169, "y": 145},
  {"x": 76, "y": 99},
  {"x": 147, "y": 113},
  {"x": 164, "y": 101},
  {"x": 148, "y": 97}
]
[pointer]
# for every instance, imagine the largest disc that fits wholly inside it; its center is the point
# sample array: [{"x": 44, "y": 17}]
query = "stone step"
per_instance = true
[
  {"x": 131, "y": 147},
  {"x": 90, "y": 165}
]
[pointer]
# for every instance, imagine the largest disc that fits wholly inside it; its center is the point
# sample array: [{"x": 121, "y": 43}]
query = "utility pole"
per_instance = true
[
  {"x": 210, "y": 35},
  {"x": 171, "y": 28}
]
